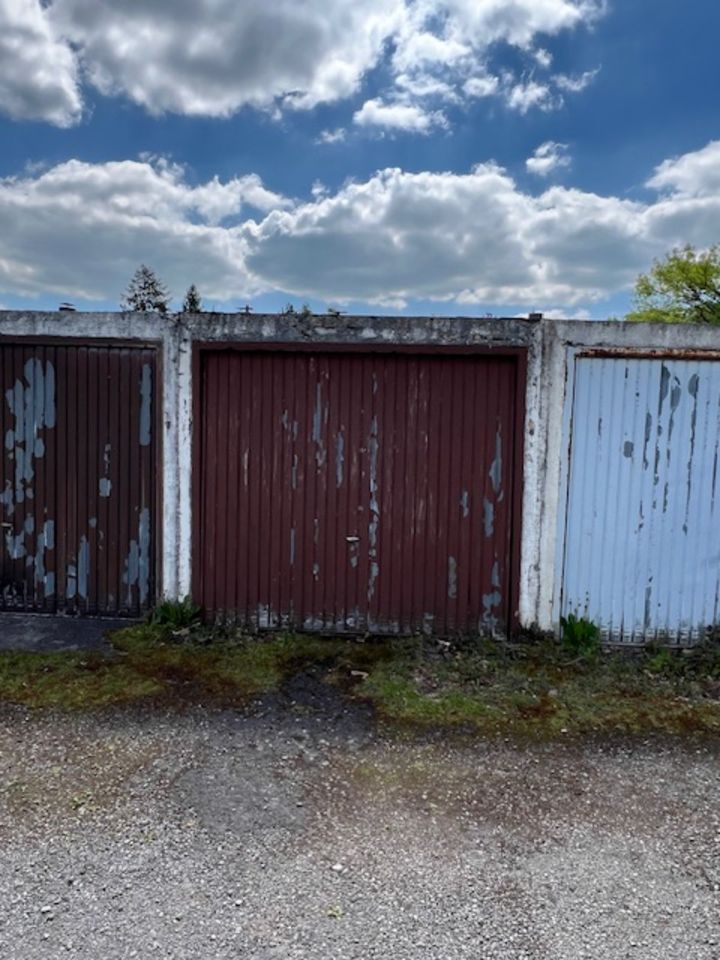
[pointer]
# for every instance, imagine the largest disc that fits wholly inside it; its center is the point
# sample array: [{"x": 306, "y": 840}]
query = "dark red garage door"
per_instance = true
[
  {"x": 77, "y": 477},
  {"x": 351, "y": 492}
]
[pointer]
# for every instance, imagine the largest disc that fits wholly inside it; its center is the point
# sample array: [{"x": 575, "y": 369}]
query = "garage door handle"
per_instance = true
[{"x": 353, "y": 539}]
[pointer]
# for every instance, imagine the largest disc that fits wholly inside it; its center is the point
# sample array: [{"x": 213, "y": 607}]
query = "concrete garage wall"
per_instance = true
[{"x": 551, "y": 348}]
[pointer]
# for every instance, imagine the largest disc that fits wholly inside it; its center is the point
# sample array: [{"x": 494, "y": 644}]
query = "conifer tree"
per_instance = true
[
  {"x": 146, "y": 292},
  {"x": 192, "y": 302}
]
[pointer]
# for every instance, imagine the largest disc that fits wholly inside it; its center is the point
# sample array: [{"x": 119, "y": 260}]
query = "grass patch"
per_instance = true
[
  {"x": 71, "y": 680},
  {"x": 539, "y": 690},
  {"x": 535, "y": 689},
  {"x": 149, "y": 664}
]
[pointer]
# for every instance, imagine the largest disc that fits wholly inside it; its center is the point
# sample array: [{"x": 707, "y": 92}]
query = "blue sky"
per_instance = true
[{"x": 400, "y": 156}]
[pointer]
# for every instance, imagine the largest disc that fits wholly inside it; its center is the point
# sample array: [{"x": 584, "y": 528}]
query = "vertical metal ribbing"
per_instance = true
[
  {"x": 642, "y": 525},
  {"x": 354, "y": 487}
]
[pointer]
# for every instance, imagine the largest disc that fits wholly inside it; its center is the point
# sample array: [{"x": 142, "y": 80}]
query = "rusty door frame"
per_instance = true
[
  {"x": 157, "y": 396},
  {"x": 517, "y": 354}
]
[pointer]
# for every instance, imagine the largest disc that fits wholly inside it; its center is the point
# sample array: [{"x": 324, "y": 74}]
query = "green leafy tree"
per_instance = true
[
  {"x": 682, "y": 288},
  {"x": 192, "y": 302},
  {"x": 146, "y": 292}
]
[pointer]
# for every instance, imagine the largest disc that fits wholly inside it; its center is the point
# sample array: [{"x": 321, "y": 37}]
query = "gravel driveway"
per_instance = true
[{"x": 299, "y": 832}]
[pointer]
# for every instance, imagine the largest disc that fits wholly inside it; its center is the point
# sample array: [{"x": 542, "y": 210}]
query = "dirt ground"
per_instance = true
[{"x": 298, "y": 830}]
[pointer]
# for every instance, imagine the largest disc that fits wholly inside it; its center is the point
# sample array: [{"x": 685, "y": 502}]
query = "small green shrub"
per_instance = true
[
  {"x": 580, "y": 636},
  {"x": 176, "y": 614},
  {"x": 661, "y": 660}
]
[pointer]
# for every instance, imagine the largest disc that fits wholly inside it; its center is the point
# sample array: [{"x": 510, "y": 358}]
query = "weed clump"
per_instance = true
[{"x": 580, "y": 636}]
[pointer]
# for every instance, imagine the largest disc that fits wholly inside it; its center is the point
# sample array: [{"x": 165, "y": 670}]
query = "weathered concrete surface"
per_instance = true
[
  {"x": 35, "y": 633},
  {"x": 299, "y": 834}
]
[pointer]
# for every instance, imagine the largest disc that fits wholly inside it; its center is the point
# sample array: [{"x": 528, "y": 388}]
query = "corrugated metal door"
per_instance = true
[
  {"x": 642, "y": 539},
  {"x": 78, "y": 478},
  {"x": 357, "y": 492}
]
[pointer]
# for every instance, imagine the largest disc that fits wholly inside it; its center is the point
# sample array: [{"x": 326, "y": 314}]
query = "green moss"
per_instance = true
[
  {"x": 71, "y": 680},
  {"x": 531, "y": 689},
  {"x": 148, "y": 664},
  {"x": 535, "y": 690}
]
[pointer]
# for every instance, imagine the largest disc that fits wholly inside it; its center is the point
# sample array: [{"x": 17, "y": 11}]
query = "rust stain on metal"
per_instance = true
[{"x": 660, "y": 353}]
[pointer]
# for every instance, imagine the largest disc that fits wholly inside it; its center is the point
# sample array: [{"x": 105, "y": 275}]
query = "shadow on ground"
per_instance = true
[{"x": 45, "y": 633}]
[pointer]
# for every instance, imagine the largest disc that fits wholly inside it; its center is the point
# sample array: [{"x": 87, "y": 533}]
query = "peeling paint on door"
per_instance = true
[
  {"x": 641, "y": 532},
  {"x": 32, "y": 403},
  {"x": 365, "y": 518},
  {"x": 72, "y": 412},
  {"x": 146, "y": 405},
  {"x": 137, "y": 562}
]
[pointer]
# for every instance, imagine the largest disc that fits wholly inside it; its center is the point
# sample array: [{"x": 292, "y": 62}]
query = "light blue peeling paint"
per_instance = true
[
  {"x": 137, "y": 562},
  {"x": 488, "y": 518},
  {"x": 496, "y": 466},
  {"x": 317, "y": 415},
  {"x": 32, "y": 405},
  {"x": 71, "y": 582},
  {"x": 7, "y": 499},
  {"x": 49, "y": 534},
  {"x": 132, "y": 568},
  {"x": 104, "y": 483},
  {"x": 292, "y": 546},
  {"x": 465, "y": 503},
  {"x": 490, "y": 602},
  {"x": 144, "y": 570},
  {"x": 145, "y": 405},
  {"x": 374, "y": 523},
  {"x": 339, "y": 458},
  {"x": 15, "y": 544},
  {"x": 317, "y": 426},
  {"x": 45, "y": 541},
  {"x": 83, "y": 567},
  {"x": 640, "y": 556}
]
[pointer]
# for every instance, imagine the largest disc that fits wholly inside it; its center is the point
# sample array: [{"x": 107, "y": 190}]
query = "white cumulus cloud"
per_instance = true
[
  {"x": 38, "y": 70},
  {"x": 211, "y": 57},
  {"x": 524, "y": 96},
  {"x": 79, "y": 230},
  {"x": 398, "y": 116},
  {"x": 549, "y": 156},
  {"x": 691, "y": 175},
  {"x": 577, "y": 84},
  {"x": 214, "y": 57}
]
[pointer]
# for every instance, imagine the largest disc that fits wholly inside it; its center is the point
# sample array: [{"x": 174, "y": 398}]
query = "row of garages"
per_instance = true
[{"x": 363, "y": 478}]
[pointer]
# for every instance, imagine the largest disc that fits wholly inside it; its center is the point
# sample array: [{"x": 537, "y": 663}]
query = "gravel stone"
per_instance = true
[{"x": 298, "y": 831}]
